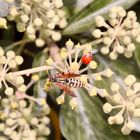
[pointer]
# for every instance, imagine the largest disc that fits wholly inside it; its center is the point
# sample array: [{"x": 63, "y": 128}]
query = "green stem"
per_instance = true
[{"x": 21, "y": 42}]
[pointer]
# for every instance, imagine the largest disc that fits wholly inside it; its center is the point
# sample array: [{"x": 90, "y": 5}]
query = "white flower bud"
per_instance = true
[
  {"x": 10, "y": 122},
  {"x": 120, "y": 49},
  {"x": 10, "y": 54},
  {"x": 93, "y": 65},
  {"x": 19, "y": 80},
  {"x": 137, "y": 113},
  {"x": 51, "y": 25},
  {"x": 34, "y": 121},
  {"x": 111, "y": 120},
  {"x": 22, "y": 103},
  {"x": 137, "y": 102},
  {"x": 39, "y": 42},
  {"x": 97, "y": 33},
  {"x": 115, "y": 87},
  {"x": 21, "y": 27},
  {"x": 50, "y": 14},
  {"x": 128, "y": 54},
  {"x": 38, "y": 22},
  {"x": 113, "y": 55},
  {"x": 2, "y": 127},
  {"x": 19, "y": 60},
  {"x": 30, "y": 29},
  {"x": 107, "y": 108},
  {"x": 125, "y": 130},
  {"x": 129, "y": 80},
  {"x": 129, "y": 92},
  {"x": 7, "y": 131},
  {"x": 24, "y": 18},
  {"x": 56, "y": 36},
  {"x": 22, "y": 88},
  {"x": 104, "y": 50},
  {"x": 12, "y": 63},
  {"x": 58, "y": 3},
  {"x": 69, "y": 44},
  {"x": 63, "y": 23},
  {"x": 117, "y": 98},
  {"x": 107, "y": 40},
  {"x": 131, "y": 47},
  {"x": 9, "y": 91},
  {"x": 130, "y": 125},
  {"x": 127, "y": 40},
  {"x": 99, "y": 20},
  {"x": 119, "y": 119},
  {"x": 45, "y": 120},
  {"x": 131, "y": 15}
]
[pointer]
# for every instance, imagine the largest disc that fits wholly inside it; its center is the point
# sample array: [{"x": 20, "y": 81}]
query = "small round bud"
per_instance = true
[
  {"x": 111, "y": 120},
  {"x": 99, "y": 20},
  {"x": 130, "y": 125},
  {"x": 30, "y": 29},
  {"x": 120, "y": 49},
  {"x": 22, "y": 88},
  {"x": 39, "y": 42},
  {"x": 131, "y": 47},
  {"x": 69, "y": 44},
  {"x": 125, "y": 130},
  {"x": 10, "y": 54},
  {"x": 119, "y": 119},
  {"x": 127, "y": 40},
  {"x": 19, "y": 60},
  {"x": 24, "y": 18},
  {"x": 56, "y": 36},
  {"x": 12, "y": 64},
  {"x": 9, "y": 91},
  {"x": 38, "y": 22},
  {"x": 34, "y": 121},
  {"x": 97, "y": 33},
  {"x": 104, "y": 50},
  {"x": 107, "y": 108},
  {"x": 129, "y": 80},
  {"x": 115, "y": 87},
  {"x": 113, "y": 55},
  {"x": 93, "y": 65}
]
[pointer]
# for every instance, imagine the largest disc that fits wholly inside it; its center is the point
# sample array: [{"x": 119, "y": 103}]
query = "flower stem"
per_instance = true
[
  {"x": 17, "y": 43},
  {"x": 31, "y": 71}
]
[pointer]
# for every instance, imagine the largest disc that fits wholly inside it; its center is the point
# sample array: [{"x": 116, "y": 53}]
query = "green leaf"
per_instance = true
[
  {"x": 137, "y": 54},
  {"x": 87, "y": 121},
  {"x": 87, "y": 22}
]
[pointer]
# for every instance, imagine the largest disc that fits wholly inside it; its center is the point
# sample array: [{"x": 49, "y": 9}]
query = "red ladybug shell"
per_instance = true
[{"x": 87, "y": 58}]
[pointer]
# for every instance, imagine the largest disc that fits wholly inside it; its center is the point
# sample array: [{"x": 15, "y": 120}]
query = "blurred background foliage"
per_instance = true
[{"x": 87, "y": 122}]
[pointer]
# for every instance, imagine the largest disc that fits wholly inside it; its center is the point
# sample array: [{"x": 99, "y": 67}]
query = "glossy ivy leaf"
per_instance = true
[
  {"x": 87, "y": 22},
  {"x": 137, "y": 54},
  {"x": 87, "y": 122},
  {"x": 39, "y": 60}
]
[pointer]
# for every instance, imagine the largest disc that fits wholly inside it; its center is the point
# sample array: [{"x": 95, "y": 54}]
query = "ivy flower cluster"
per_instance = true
[
  {"x": 21, "y": 116},
  {"x": 8, "y": 62},
  {"x": 126, "y": 102},
  {"x": 77, "y": 59},
  {"x": 22, "y": 120},
  {"x": 38, "y": 18},
  {"x": 121, "y": 29}
]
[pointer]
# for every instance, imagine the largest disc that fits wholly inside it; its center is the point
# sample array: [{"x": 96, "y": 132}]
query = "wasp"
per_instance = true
[{"x": 66, "y": 81}]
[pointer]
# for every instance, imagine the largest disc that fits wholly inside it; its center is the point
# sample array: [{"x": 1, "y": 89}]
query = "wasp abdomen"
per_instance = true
[{"x": 74, "y": 82}]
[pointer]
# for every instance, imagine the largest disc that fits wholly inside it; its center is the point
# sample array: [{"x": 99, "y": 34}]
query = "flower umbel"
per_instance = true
[
  {"x": 71, "y": 65},
  {"x": 120, "y": 30},
  {"x": 126, "y": 102},
  {"x": 20, "y": 120},
  {"x": 7, "y": 63},
  {"x": 39, "y": 17}
]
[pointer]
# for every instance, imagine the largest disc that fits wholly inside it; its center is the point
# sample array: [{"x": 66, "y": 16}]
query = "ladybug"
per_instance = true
[{"x": 87, "y": 58}]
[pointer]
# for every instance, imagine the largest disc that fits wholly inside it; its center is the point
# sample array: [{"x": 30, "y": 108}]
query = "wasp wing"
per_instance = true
[
  {"x": 66, "y": 89},
  {"x": 68, "y": 75}
]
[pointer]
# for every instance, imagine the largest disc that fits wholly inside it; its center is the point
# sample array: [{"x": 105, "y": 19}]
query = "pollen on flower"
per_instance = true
[
  {"x": 73, "y": 103},
  {"x": 121, "y": 30},
  {"x": 60, "y": 99},
  {"x": 126, "y": 102}
]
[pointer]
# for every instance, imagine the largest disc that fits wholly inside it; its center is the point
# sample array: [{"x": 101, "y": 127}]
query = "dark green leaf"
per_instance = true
[
  {"x": 87, "y": 121},
  {"x": 87, "y": 22}
]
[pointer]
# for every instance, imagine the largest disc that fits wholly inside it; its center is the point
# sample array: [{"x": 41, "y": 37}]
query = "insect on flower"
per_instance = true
[{"x": 67, "y": 80}]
